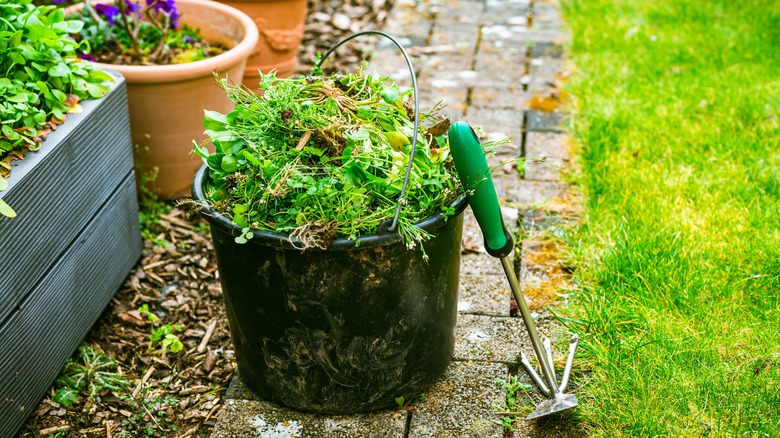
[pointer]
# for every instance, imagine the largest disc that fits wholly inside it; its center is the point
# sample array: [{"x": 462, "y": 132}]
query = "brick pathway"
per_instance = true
[{"x": 486, "y": 60}]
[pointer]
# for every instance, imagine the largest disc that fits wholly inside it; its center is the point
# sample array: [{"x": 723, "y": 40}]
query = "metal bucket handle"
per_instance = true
[{"x": 394, "y": 224}]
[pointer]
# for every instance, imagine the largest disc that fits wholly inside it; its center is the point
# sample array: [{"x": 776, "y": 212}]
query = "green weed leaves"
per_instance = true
[
  {"x": 321, "y": 157},
  {"x": 91, "y": 371},
  {"x": 41, "y": 78},
  {"x": 5, "y": 209},
  {"x": 162, "y": 335}
]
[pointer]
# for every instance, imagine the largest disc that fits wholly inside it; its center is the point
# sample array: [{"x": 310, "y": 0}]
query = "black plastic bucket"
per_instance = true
[{"x": 342, "y": 330}]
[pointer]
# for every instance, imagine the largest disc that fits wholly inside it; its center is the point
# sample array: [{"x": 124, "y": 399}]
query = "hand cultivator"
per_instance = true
[{"x": 475, "y": 177}]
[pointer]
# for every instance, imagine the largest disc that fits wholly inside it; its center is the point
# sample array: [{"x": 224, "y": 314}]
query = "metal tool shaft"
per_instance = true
[{"x": 530, "y": 326}]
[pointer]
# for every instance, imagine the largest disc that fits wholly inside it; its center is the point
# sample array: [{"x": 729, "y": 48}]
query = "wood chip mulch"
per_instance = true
[{"x": 178, "y": 280}]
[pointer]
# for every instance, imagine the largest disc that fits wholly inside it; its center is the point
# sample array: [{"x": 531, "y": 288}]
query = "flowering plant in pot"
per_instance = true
[
  {"x": 139, "y": 33},
  {"x": 168, "y": 51},
  {"x": 338, "y": 301}
]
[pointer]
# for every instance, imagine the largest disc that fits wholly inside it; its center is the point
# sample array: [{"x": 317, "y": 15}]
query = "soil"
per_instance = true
[
  {"x": 199, "y": 50},
  {"x": 180, "y": 394}
]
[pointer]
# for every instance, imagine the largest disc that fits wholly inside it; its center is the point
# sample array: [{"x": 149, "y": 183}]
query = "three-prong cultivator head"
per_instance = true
[
  {"x": 475, "y": 177},
  {"x": 557, "y": 399}
]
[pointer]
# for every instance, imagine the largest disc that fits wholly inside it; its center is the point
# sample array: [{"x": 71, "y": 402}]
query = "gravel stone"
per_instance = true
[
  {"x": 406, "y": 21},
  {"x": 472, "y": 235},
  {"x": 463, "y": 36},
  {"x": 497, "y": 122},
  {"x": 489, "y": 338},
  {"x": 543, "y": 121},
  {"x": 448, "y": 62},
  {"x": 480, "y": 264},
  {"x": 453, "y": 99},
  {"x": 526, "y": 193},
  {"x": 546, "y": 17},
  {"x": 253, "y": 419},
  {"x": 543, "y": 73},
  {"x": 457, "y": 12},
  {"x": 341, "y": 21},
  {"x": 546, "y": 50},
  {"x": 390, "y": 63},
  {"x": 510, "y": 96},
  {"x": 555, "y": 150},
  {"x": 485, "y": 295},
  {"x": 461, "y": 404}
]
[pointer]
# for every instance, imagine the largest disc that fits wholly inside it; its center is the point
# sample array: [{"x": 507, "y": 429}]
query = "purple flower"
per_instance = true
[
  {"x": 132, "y": 8},
  {"x": 86, "y": 57},
  {"x": 175, "y": 17},
  {"x": 109, "y": 11},
  {"x": 58, "y": 1},
  {"x": 187, "y": 39},
  {"x": 167, "y": 7}
]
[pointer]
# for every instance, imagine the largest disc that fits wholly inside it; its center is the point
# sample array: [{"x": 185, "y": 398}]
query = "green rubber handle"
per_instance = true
[{"x": 475, "y": 178}]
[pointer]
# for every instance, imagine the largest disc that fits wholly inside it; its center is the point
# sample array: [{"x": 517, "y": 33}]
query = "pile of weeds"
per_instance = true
[{"x": 321, "y": 157}]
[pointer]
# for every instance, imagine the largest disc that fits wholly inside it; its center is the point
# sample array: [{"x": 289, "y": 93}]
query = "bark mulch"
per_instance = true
[{"x": 173, "y": 394}]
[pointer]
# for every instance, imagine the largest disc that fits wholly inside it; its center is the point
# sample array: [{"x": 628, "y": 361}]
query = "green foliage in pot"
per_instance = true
[
  {"x": 322, "y": 157},
  {"x": 41, "y": 77}
]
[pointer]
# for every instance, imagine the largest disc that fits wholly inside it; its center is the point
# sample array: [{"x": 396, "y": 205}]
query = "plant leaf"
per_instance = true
[
  {"x": 6, "y": 209},
  {"x": 65, "y": 396}
]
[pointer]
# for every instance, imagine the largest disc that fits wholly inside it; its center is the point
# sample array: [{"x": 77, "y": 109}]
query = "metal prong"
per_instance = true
[
  {"x": 532, "y": 373},
  {"x": 548, "y": 350},
  {"x": 569, "y": 359}
]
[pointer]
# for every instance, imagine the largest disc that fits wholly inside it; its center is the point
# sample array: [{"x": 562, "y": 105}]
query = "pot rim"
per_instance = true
[
  {"x": 278, "y": 240},
  {"x": 190, "y": 70}
]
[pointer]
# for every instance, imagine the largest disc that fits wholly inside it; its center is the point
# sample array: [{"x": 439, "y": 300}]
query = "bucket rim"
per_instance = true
[{"x": 278, "y": 240}]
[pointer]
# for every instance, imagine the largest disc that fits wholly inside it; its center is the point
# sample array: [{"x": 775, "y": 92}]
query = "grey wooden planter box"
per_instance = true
[{"x": 64, "y": 256}]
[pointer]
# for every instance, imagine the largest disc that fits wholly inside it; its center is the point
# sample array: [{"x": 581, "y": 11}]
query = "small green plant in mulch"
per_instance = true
[
  {"x": 149, "y": 415},
  {"x": 322, "y": 157},
  {"x": 162, "y": 336},
  {"x": 5, "y": 209},
  {"x": 150, "y": 206},
  {"x": 90, "y": 372},
  {"x": 403, "y": 403},
  {"x": 514, "y": 405}
]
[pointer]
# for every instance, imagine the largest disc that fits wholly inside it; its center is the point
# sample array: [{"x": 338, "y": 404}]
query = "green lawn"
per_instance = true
[{"x": 676, "y": 116}]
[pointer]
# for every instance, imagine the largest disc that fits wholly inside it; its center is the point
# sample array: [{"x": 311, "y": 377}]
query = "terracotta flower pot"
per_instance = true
[
  {"x": 280, "y": 23},
  {"x": 167, "y": 101}
]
